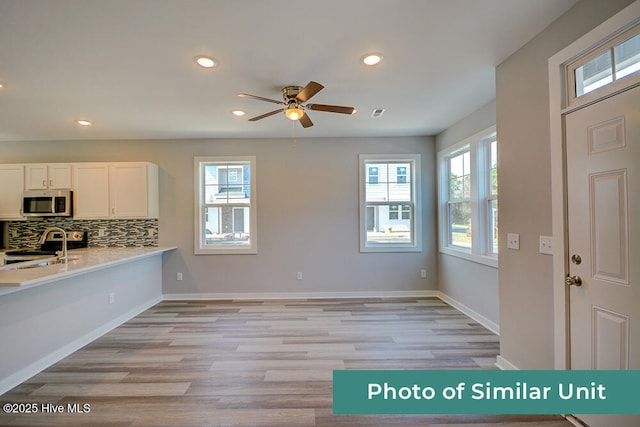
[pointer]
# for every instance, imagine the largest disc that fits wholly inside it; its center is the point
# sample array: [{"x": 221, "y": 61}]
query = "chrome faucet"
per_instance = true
[{"x": 62, "y": 255}]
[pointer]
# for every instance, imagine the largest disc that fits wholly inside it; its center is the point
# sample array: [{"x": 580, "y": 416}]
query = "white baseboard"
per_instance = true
[
  {"x": 299, "y": 295},
  {"x": 504, "y": 365},
  {"x": 34, "y": 368},
  {"x": 492, "y": 326}
]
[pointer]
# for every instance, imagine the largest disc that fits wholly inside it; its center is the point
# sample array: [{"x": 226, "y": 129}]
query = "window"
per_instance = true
[
  {"x": 614, "y": 61},
  {"x": 468, "y": 198},
  {"x": 225, "y": 211},
  {"x": 491, "y": 193},
  {"x": 390, "y": 219},
  {"x": 459, "y": 200}
]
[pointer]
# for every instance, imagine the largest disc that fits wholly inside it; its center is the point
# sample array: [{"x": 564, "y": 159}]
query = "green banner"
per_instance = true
[{"x": 486, "y": 392}]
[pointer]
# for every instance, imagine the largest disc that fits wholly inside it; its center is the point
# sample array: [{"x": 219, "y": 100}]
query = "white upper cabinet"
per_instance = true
[
  {"x": 48, "y": 176},
  {"x": 115, "y": 190},
  {"x": 90, "y": 190},
  {"x": 12, "y": 179},
  {"x": 133, "y": 190},
  {"x": 100, "y": 190}
]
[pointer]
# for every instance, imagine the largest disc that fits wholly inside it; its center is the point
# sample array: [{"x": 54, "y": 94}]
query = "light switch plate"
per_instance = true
[
  {"x": 513, "y": 241},
  {"x": 546, "y": 245}
]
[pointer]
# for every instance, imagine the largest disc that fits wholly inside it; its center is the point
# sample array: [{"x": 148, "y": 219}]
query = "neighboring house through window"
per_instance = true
[
  {"x": 225, "y": 211},
  {"x": 390, "y": 208}
]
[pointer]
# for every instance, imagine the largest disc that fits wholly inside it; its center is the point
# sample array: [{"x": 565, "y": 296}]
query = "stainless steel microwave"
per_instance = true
[{"x": 47, "y": 203}]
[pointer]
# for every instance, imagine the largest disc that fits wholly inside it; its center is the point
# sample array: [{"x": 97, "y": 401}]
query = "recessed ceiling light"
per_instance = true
[
  {"x": 84, "y": 122},
  {"x": 372, "y": 59},
  {"x": 205, "y": 61},
  {"x": 238, "y": 113}
]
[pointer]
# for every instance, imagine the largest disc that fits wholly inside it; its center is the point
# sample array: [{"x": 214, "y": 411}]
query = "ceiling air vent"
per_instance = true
[{"x": 377, "y": 112}]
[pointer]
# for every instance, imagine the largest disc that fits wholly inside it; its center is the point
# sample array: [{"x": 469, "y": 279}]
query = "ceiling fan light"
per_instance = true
[{"x": 294, "y": 113}]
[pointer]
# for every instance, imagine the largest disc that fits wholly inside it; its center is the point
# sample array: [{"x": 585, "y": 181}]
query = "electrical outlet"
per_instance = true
[
  {"x": 423, "y": 273},
  {"x": 546, "y": 245},
  {"x": 513, "y": 241},
  {"x": 151, "y": 232},
  {"x": 179, "y": 275},
  {"x": 101, "y": 232},
  {"x": 299, "y": 275},
  {"x": 112, "y": 297}
]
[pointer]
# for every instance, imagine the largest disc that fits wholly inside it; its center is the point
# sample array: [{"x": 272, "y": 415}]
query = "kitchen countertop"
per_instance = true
[{"x": 81, "y": 261}]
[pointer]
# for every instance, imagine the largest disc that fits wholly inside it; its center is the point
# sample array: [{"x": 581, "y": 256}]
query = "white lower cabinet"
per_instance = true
[{"x": 12, "y": 179}]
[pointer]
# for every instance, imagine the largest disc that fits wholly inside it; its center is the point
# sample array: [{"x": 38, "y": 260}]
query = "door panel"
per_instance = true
[
  {"x": 611, "y": 338},
  {"x": 609, "y": 223},
  {"x": 603, "y": 212}
]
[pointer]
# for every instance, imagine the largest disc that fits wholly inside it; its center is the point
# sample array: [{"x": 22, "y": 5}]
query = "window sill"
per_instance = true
[
  {"x": 489, "y": 261},
  {"x": 225, "y": 251},
  {"x": 390, "y": 248}
]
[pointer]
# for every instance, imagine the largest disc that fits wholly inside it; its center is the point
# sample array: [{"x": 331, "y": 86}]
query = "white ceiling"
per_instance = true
[{"x": 128, "y": 64}]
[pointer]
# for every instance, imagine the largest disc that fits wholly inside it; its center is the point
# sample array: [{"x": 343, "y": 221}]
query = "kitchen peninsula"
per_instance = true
[{"x": 48, "y": 312}]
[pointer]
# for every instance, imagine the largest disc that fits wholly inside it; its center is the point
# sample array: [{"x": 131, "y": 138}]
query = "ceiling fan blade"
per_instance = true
[
  {"x": 308, "y": 91},
  {"x": 270, "y": 113},
  {"x": 331, "y": 108},
  {"x": 260, "y": 98},
  {"x": 305, "y": 121}
]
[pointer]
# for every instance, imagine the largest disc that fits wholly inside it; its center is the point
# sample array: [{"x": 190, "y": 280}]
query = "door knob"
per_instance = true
[{"x": 573, "y": 280}]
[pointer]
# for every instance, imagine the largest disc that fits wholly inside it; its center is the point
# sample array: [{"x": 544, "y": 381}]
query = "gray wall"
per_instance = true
[
  {"x": 522, "y": 105},
  {"x": 469, "y": 283},
  {"x": 307, "y": 213}
]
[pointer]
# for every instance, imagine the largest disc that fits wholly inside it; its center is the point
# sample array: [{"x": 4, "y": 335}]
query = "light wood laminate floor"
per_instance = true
[{"x": 257, "y": 363}]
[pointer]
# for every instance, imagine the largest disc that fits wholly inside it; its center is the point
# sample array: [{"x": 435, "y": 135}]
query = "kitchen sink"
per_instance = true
[{"x": 36, "y": 263}]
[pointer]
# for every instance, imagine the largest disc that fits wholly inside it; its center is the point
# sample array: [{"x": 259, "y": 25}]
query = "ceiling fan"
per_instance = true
[{"x": 294, "y": 98}]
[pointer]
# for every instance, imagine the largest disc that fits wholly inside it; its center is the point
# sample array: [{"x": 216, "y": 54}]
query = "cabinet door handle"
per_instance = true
[
  {"x": 50, "y": 183},
  {"x": 44, "y": 183}
]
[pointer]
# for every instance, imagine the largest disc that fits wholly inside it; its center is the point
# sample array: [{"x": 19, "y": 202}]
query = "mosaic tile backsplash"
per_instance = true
[{"x": 119, "y": 233}]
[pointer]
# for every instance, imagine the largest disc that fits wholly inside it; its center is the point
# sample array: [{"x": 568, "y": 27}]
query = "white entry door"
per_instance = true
[{"x": 603, "y": 195}]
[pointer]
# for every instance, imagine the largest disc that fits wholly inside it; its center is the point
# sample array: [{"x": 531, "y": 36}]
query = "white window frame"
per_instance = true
[
  {"x": 416, "y": 202},
  {"x": 478, "y": 147},
  {"x": 484, "y": 151},
  {"x": 615, "y": 86},
  {"x": 200, "y": 248}
]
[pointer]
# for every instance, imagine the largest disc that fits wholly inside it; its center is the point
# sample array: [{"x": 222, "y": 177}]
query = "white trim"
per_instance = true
[
  {"x": 606, "y": 46},
  {"x": 198, "y": 193},
  {"x": 298, "y": 295},
  {"x": 38, "y": 366},
  {"x": 504, "y": 365},
  {"x": 490, "y": 325},
  {"x": 557, "y": 99},
  {"x": 573, "y": 420}
]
